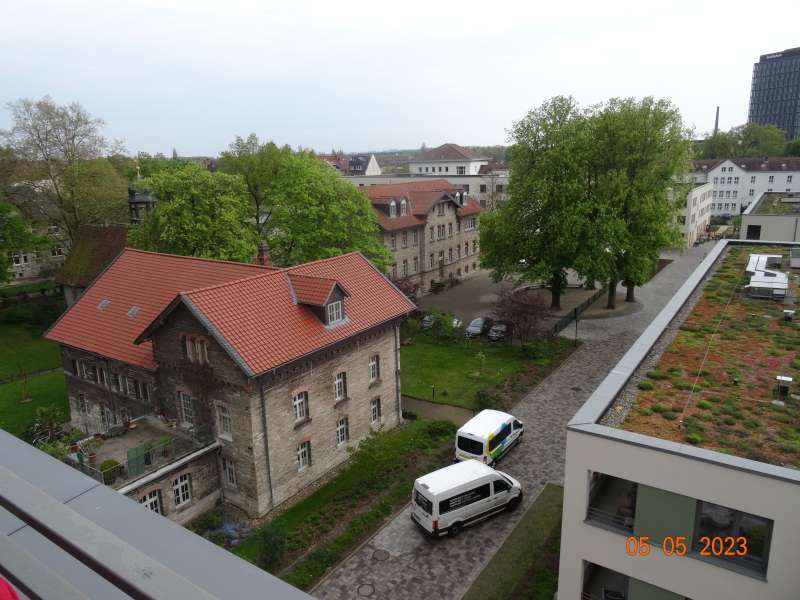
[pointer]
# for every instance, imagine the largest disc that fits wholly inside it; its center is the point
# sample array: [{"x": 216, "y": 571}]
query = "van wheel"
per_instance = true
[
  {"x": 513, "y": 503},
  {"x": 455, "y": 529}
]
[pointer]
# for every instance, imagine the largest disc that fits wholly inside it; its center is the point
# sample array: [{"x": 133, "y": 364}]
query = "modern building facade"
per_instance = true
[
  {"x": 445, "y": 160},
  {"x": 431, "y": 229},
  {"x": 212, "y": 380},
  {"x": 739, "y": 182},
  {"x": 679, "y": 483},
  {"x": 775, "y": 91}
]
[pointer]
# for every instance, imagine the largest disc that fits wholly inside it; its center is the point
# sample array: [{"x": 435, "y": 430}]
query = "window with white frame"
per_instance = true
[
  {"x": 300, "y": 405},
  {"x": 752, "y": 192},
  {"x": 431, "y": 233},
  {"x": 131, "y": 386},
  {"x": 393, "y": 241},
  {"x": 224, "y": 420},
  {"x": 752, "y": 179},
  {"x": 440, "y": 209},
  {"x": 375, "y": 410},
  {"x": 342, "y": 431},
  {"x": 405, "y": 267},
  {"x": 189, "y": 348},
  {"x": 152, "y": 501},
  {"x": 461, "y": 170},
  {"x": 405, "y": 239},
  {"x": 187, "y": 409},
  {"x": 303, "y": 455},
  {"x": 83, "y": 405},
  {"x": 414, "y": 237},
  {"x": 735, "y": 180},
  {"x": 374, "y": 368},
  {"x": 102, "y": 377},
  {"x": 430, "y": 261},
  {"x": 340, "y": 386},
  {"x": 403, "y": 207},
  {"x": 229, "y": 472},
  {"x": 416, "y": 265},
  {"x": 335, "y": 312},
  {"x": 471, "y": 222},
  {"x": 788, "y": 179},
  {"x": 771, "y": 179},
  {"x": 182, "y": 490}
]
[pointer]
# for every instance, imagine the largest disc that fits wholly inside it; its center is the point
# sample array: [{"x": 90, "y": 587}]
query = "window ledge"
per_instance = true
[
  {"x": 225, "y": 437},
  {"x": 375, "y": 383},
  {"x": 729, "y": 565},
  {"x": 301, "y": 422},
  {"x": 341, "y": 401}
]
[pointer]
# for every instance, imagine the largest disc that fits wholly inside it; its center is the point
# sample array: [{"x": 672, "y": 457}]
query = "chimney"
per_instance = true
[
  {"x": 716, "y": 122},
  {"x": 263, "y": 254}
]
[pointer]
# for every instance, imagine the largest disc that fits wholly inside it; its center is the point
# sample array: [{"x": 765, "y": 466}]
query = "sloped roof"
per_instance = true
[
  {"x": 470, "y": 208},
  {"x": 258, "y": 321},
  {"x": 93, "y": 250},
  {"x": 769, "y": 163},
  {"x": 448, "y": 152},
  {"x": 311, "y": 290},
  {"x": 495, "y": 165},
  {"x": 147, "y": 280}
]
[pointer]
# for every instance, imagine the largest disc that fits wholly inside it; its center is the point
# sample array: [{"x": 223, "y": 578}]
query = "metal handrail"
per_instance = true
[{"x": 609, "y": 519}]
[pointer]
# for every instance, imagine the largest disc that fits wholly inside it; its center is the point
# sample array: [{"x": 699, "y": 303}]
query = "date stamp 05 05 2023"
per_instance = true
[{"x": 676, "y": 545}]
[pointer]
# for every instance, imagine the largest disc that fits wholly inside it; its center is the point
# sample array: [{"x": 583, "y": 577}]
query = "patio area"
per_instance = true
[{"x": 612, "y": 502}]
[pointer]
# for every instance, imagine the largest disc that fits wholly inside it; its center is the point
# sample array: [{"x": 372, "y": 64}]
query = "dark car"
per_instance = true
[
  {"x": 498, "y": 332},
  {"x": 478, "y": 327}
]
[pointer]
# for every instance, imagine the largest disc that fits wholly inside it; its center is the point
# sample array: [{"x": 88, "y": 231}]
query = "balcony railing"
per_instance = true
[{"x": 623, "y": 523}]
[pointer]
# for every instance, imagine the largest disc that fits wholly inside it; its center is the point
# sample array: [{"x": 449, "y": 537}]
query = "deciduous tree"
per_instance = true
[
  {"x": 748, "y": 140},
  {"x": 15, "y": 236}
]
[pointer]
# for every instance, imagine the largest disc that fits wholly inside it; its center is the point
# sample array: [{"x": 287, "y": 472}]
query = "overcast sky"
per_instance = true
[{"x": 375, "y": 75}]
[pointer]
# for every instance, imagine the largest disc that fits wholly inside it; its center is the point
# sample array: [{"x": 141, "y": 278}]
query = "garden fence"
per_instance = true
[{"x": 562, "y": 323}]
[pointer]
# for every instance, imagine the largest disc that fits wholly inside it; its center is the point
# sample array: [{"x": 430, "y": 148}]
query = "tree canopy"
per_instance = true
[
  {"x": 15, "y": 236},
  {"x": 197, "y": 213},
  {"x": 748, "y": 140}
]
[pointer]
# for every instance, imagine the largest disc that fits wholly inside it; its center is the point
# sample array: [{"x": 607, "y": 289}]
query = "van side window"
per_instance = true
[
  {"x": 500, "y": 437},
  {"x": 501, "y": 485},
  {"x": 464, "y": 499}
]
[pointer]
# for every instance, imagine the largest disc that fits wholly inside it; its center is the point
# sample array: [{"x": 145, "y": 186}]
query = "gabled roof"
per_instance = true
[
  {"x": 257, "y": 321},
  {"x": 448, "y": 152},
  {"x": 104, "y": 321},
  {"x": 493, "y": 166},
  {"x": 313, "y": 290},
  {"x": 766, "y": 164},
  {"x": 93, "y": 250}
]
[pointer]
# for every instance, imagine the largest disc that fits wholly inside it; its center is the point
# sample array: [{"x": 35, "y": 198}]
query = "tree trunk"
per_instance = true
[
  {"x": 629, "y": 294},
  {"x": 612, "y": 294},
  {"x": 555, "y": 298}
]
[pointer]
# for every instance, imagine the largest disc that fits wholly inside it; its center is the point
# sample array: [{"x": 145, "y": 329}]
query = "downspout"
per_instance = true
[
  {"x": 397, "y": 374},
  {"x": 795, "y": 229},
  {"x": 266, "y": 442}
]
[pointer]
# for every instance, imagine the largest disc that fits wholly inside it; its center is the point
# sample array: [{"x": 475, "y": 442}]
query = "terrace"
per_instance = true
[
  {"x": 125, "y": 455},
  {"x": 717, "y": 383},
  {"x": 777, "y": 203}
]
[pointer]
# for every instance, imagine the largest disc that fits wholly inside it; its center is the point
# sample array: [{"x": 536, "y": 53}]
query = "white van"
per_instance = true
[
  {"x": 464, "y": 493},
  {"x": 488, "y": 436}
]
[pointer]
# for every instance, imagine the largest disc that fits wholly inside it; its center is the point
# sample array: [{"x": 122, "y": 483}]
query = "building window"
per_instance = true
[
  {"x": 465, "y": 187},
  {"x": 715, "y": 521},
  {"x": 788, "y": 179},
  {"x": 466, "y": 248},
  {"x": 76, "y": 368},
  {"x": 471, "y": 222},
  {"x": 152, "y": 501},
  {"x": 405, "y": 267},
  {"x": 374, "y": 368},
  {"x": 482, "y": 188},
  {"x": 405, "y": 239},
  {"x": 449, "y": 255},
  {"x": 83, "y": 405},
  {"x": 224, "y": 418},
  {"x": 728, "y": 194},
  {"x": 393, "y": 241},
  {"x": 415, "y": 268},
  {"x": 102, "y": 377},
  {"x": 392, "y": 209},
  {"x": 342, "y": 431},
  {"x": 201, "y": 351},
  {"x": 300, "y": 406},
  {"x": 440, "y": 209},
  {"x": 461, "y": 170},
  {"x": 431, "y": 233},
  {"x": 394, "y": 270},
  {"x": 335, "y": 312},
  {"x": 303, "y": 455},
  {"x": 474, "y": 246},
  {"x": 441, "y": 257},
  {"x": 735, "y": 193},
  {"x": 340, "y": 386},
  {"x": 420, "y": 169},
  {"x": 181, "y": 488},
  {"x": 752, "y": 192},
  {"x": 458, "y": 251},
  {"x": 771, "y": 179},
  {"x": 130, "y": 385},
  {"x": 499, "y": 188},
  {"x": 449, "y": 230},
  {"x": 375, "y": 410},
  {"x": 430, "y": 261},
  {"x": 414, "y": 237},
  {"x": 716, "y": 180},
  {"x": 187, "y": 409},
  {"x": 403, "y": 207},
  {"x": 229, "y": 472},
  {"x": 715, "y": 194},
  {"x": 189, "y": 348}
]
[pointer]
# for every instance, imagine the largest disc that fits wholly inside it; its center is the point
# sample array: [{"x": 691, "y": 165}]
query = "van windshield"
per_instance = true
[
  {"x": 423, "y": 502},
  {"x": 470, "y": 446}
]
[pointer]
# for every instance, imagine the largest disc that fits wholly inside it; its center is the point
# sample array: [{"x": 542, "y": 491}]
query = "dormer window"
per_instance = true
[
  {"x": 392, "y": 209},
  {"x": 403, "y": 208},
  {"x": 335, "y": 312}
]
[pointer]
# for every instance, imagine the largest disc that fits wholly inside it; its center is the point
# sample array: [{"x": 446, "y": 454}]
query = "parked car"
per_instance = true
[
  {"x": 447, "y": 500},
  {"x": 478, "y": 327},
  {"x": 488, "y": 436},
  {"x": 429, "y": 319},
  {"x": 498, "y": 332}
]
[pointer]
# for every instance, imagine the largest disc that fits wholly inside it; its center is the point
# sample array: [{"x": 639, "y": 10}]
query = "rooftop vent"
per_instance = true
[
  {"x": 133, "y": 311},
  {"x": 103, "y": 304}
]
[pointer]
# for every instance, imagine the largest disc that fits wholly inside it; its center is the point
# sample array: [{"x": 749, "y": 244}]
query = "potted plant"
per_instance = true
[
  {"x": 110, "y": 470},
  {"x": 163, "y": 441},
  {"x": 92, "y": 458}
]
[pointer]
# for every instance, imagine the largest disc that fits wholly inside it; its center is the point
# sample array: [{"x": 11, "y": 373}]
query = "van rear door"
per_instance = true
[
  {"x": 422, "y": 508},
  {"x": 467, "y": 447}
]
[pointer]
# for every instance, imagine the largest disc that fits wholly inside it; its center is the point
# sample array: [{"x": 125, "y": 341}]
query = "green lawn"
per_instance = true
[
  {"x": 46, "y": 390},
  {"x": 457, "y": 371},
  {"x": 322, "y": 528},
  {"x": 526, "y": 565},
  {"x": 23, "y": 346}
]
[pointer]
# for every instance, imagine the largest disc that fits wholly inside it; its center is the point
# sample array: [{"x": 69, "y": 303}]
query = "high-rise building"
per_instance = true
[{"x": 775, "y": 91}]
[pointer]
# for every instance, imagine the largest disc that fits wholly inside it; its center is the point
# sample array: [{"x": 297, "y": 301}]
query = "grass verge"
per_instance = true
[
  {"x": 526, "y": 565},
  {"x": 461, "y": 368},
  {"x": 24, "y": 350},
  {"x": 49, "y": 389},
  {"x": 322, "y": 528}
]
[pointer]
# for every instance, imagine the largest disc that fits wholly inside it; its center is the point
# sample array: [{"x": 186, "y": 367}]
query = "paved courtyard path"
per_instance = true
[{"x": 399, "y": 562}]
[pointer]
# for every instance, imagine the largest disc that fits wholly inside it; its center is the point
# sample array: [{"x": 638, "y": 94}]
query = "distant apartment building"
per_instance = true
[
  {"x": 218, "y": 381},
  {"x": 740, "y": 181},
  {"x": 682, "y": 475},
  {"x": 431, "y": 229},
  {"x": 775, "y": 91},
  {"x": 352, "y": 164},
  {"x": 33, "y": 264},
  {"x": 445, "y": 160},
  {"x": 694, "y": 219}
]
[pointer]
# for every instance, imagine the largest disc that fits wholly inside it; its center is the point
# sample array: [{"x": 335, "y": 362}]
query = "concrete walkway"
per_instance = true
[{"x": 400, "y": 562}]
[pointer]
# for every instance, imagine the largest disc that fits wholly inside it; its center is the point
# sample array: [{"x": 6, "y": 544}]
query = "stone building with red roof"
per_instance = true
[
  {"x": 430, "y": 227},
  {"x": 208, "y": 380}
]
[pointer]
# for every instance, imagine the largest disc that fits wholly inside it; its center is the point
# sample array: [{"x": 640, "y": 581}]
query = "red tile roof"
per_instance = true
[
  {"x": 258, "y": 320},
  {"x": 147, "y": 280},
  {"x": 311, "y": 290},
  {"x": 448, "y": 152}
]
